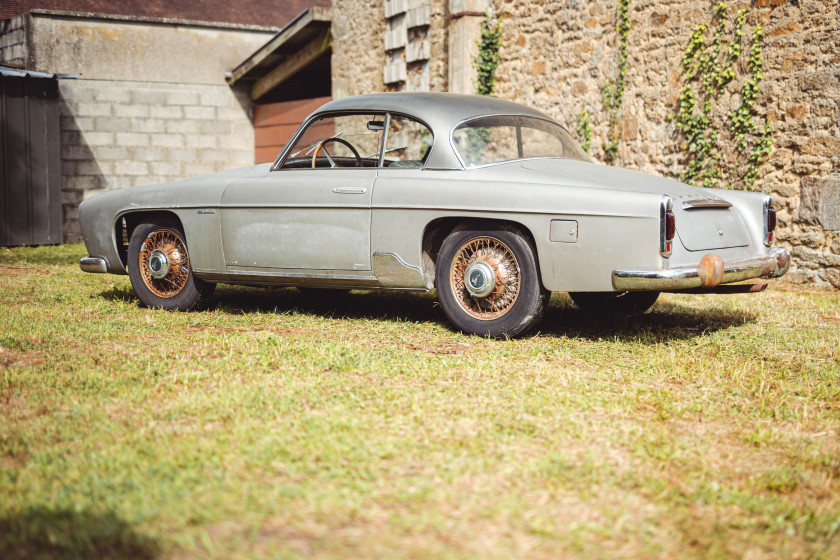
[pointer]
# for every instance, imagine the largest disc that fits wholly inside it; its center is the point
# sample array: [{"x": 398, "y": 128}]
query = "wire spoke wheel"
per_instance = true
[
  {"x": 163, "y": 263},
  {"x": 488, "y": 281},
  {"x": 160, "y": 270},
  {"x": 485, "y": 278}
]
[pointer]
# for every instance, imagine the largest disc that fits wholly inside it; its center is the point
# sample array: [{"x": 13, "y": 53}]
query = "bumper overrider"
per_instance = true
[
  {"x": 94, "y": 264},
  {"x": 711, "y": 272}
]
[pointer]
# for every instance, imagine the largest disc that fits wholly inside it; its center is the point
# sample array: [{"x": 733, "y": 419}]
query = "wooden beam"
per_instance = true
[
  {"x": 289, "y": 67},
  {"x": 312, "y": 16}
]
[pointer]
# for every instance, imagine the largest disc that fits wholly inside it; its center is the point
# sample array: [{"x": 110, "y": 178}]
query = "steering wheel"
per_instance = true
[{"x": 322, "y": 146}]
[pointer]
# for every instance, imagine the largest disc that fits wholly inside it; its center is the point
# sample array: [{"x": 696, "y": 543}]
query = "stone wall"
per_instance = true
[
  {"x": 556, "y": 56},
  {"x": 117, "y": 134},
  {"x": 358, "y": 28},
  {"x": 464, "y": 36},
  {"x": 438, "y": 34}
]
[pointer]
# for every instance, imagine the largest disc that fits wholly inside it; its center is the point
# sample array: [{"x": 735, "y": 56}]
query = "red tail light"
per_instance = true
[
  {"x": 769, "y": 220},
  {"x": 670, "y": 226},
  {"x": 667, "y": 226}
]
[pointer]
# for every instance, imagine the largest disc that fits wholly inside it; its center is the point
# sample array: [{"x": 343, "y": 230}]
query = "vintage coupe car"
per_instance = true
[{"x": 491, "y": 203}]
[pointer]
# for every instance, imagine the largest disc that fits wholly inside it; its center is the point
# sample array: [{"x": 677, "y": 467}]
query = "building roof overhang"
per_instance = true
[
  {"x": 22, "y": 73},
  {"x": 133, "y": 19},
  {"x": 294, "y": 47}
]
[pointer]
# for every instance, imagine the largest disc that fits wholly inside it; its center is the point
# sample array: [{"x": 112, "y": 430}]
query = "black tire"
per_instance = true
[
  {"x": 616, "y": 304},
  {"x": 178, "y": 289},
  {"x": 517, "y": 299}
]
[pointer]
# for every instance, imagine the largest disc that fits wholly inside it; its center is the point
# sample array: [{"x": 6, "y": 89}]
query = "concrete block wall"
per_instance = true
[
  {"x": 151, "y": 105},
  {"x": 13, "y": 41},
  {"x": 117, "y": 134}
]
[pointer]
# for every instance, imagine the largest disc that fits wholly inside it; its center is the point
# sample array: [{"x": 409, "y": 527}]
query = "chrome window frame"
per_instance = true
[
  {"x": 468, "y": 119},
  {"x": 386, "y": 115}
]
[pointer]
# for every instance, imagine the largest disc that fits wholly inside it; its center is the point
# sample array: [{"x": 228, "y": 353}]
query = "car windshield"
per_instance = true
[
  {"x": 338, "y": 141},
  {"x": 505, "y": 138}
]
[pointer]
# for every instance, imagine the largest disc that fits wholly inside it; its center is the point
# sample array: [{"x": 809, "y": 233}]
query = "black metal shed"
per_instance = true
[{"x": 30, "y": 158}]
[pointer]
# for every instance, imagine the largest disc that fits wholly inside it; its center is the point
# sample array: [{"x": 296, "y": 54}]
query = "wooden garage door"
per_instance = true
[{"x": 274, "y": 124}]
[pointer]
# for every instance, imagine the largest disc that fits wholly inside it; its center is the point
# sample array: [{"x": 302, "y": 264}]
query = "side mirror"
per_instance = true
[{"x": 376, "y": 125}]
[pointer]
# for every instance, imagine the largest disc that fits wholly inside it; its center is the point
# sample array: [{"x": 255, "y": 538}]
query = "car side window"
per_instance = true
[
  {"x": 492, "y": 139},
  {"x": 330, "y": 141},
  {"x": 407, "y": 143}
]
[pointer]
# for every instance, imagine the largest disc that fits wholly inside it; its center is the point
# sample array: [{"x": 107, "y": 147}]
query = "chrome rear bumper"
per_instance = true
[
  {"x": 711, "y": 272},
  {"x": 93, "y": 264}
]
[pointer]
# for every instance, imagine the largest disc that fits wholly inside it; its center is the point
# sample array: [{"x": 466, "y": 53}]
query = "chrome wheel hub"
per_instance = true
[
  {"x": 484, "y": 276},
  {"x": 163, "y": 263},
  {"x": 479, "y": 279},
  {"x": 158, "y": 264}
]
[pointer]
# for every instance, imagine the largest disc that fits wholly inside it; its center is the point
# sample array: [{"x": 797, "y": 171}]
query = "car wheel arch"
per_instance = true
[
  {"x": 127, "y": 222},
  {"x": 439, "y": 229}
]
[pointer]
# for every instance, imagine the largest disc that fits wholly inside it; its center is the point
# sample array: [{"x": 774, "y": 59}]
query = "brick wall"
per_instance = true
[{"x": 125, "y": 134}]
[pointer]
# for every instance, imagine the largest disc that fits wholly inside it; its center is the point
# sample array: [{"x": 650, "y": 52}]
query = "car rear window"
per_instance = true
[{"x": 494, "y": 139}]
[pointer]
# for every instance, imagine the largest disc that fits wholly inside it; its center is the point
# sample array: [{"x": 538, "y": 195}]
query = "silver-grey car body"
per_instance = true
[{"x": 592, "y": 228}]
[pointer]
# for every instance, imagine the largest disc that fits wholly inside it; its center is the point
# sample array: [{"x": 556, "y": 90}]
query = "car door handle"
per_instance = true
[{"x": 350, "y": 190}]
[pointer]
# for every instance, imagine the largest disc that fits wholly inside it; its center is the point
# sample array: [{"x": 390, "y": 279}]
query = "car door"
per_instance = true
[
  {"x": 316, "y": 219},
  {"x": 313, "y": 212}
]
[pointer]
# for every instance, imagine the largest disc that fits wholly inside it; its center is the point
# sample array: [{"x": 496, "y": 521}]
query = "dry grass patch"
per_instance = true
[{"x": 274, "y": 425}]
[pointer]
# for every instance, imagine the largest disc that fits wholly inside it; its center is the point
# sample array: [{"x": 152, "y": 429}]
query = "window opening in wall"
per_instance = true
[{"x": 407, "y": 45}]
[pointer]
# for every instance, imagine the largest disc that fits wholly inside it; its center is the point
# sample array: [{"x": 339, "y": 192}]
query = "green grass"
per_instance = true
[{"x": 279, "y": 426}]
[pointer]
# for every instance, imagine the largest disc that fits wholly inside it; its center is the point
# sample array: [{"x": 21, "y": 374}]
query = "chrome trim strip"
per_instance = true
[
  {"x": 700, "y": 203},
  {"x": 322, "y": 281},
  {"x": 349, "y": 190},
  {"x": 96, "y": 265},
  {"x": 393, "y": 272},
  {"x": 475, "y": 212},
  {"x": 773, "y": 265},
  {"x": 281, "y": 274}
]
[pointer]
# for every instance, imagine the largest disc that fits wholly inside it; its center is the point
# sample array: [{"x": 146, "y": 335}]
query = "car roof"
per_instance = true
[{"x": 441, "y": 111}]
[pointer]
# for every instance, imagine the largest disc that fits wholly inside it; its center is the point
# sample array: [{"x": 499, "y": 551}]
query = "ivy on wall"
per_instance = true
[
  {"x": 721, "y": 149},
  {"x": 584, "y": 130},
  {"x": 612, "y": 92},
  {"x": 488, "y": 56}
]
